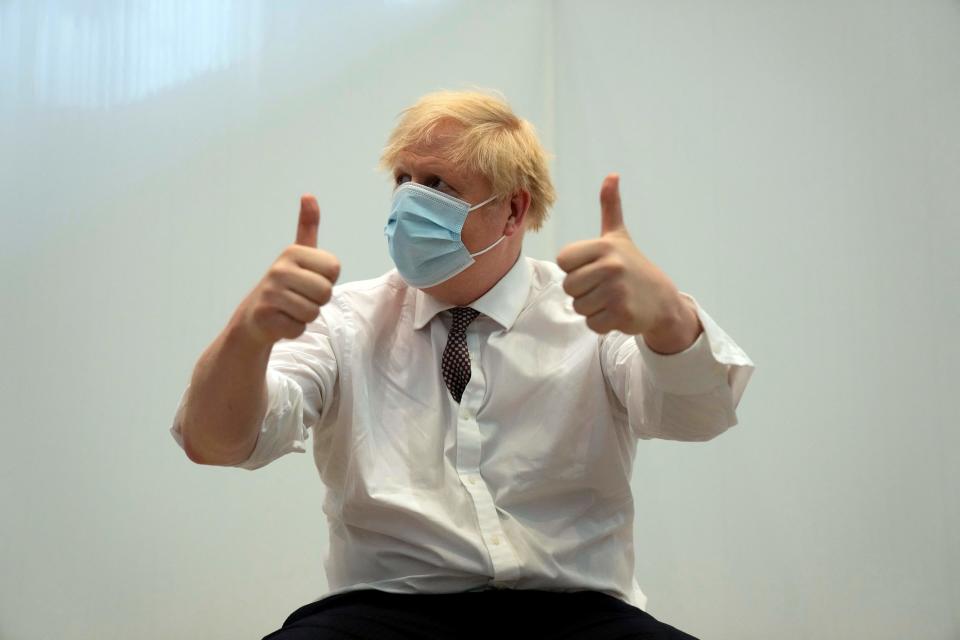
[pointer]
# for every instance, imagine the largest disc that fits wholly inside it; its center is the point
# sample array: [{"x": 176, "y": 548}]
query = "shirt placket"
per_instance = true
[{"x": 503, "y": 559}]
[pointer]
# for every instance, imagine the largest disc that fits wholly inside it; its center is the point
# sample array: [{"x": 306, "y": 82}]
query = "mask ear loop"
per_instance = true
[
  {"x": 485, "y": 202},
  {"x": 483, "y": 251},
  {"x": 477, "y": 206}
]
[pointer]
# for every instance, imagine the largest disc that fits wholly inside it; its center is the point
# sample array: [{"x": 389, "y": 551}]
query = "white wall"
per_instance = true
[{"x": 795, "y": 167}]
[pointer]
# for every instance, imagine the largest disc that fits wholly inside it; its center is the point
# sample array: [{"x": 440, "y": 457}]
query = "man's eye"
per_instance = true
[
  {"x": 440, "y": 185},
  {"x": 400, "y": 179}
]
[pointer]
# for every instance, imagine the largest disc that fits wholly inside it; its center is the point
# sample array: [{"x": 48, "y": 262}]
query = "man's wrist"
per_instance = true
[{"x": 678, "y": 329}]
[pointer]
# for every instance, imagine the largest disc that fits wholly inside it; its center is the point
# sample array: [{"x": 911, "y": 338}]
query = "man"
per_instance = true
[{"x": 475, "y": 412}]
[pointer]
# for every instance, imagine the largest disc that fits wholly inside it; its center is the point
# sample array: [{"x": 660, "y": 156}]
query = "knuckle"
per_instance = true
[
  {"x": 599, "y": 323},
  {"x": 260, "y": 315},
  {"x": 270, "y": 296},
  {"x": 293, "y": 329},
  {"x": 278, "y": 271},
  {"x": 326, "y": 291},
  {"x": 334, "y": 267},
  {"x": 601, "y": 328},
  {"x": 614, "y": 266}
]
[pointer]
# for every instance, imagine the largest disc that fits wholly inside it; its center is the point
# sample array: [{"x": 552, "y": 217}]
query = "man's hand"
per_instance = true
[
  {"x": 298, "y": 283},
  {"x": 617, "y": 288}
]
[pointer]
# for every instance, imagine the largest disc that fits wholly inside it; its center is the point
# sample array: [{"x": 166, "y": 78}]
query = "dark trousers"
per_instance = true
[{"x": 497, "y": 613}]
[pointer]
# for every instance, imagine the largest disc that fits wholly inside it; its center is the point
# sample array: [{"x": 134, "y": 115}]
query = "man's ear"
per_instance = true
[{"x": 519, "y": 204}]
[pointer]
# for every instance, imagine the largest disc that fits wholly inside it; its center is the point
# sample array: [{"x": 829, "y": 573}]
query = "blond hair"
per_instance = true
[{"x": 495, "y": 143}]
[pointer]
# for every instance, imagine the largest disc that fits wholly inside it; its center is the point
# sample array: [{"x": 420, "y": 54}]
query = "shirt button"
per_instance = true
[
  {"x": 495, "y": 539},
  {"x": 472, "y": 480}
]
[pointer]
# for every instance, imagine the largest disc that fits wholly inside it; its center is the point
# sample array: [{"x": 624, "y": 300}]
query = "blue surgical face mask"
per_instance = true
[{"x": 423, "y": 235}]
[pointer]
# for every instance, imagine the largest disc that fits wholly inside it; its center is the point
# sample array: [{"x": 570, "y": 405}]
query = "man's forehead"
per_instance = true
[
  {"x": 426, "y": 158},
  {"x": 423, "y": 159},
  {"x": 435, "y": 151}
]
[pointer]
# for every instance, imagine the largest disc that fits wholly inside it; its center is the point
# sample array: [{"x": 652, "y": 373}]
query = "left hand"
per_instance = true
[{"x": 612, "y": 283}]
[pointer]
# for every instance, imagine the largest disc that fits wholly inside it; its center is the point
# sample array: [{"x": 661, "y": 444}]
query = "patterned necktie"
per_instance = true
[{"x": 455, "y": 363}]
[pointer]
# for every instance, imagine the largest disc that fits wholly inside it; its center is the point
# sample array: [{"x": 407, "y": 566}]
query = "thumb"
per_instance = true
[
  {"x": 309, "y": 221},
  {"x": 611, "y": 215}
]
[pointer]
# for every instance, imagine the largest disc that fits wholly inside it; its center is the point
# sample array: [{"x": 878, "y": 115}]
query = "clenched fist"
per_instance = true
[
  {"x": 617, "y": 287},
  {"x": 297, "y": 284}
]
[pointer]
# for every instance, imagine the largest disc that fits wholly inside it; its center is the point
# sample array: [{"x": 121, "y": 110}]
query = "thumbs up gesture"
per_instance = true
[
  {"x": 615, "y": 286},
  {"x": 297, "y": 284}
]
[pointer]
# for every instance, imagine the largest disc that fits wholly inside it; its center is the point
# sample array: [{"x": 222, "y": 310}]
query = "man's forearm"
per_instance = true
[
  {"x": 677, "y": 331},
  {"x": 227, "y": 400}
]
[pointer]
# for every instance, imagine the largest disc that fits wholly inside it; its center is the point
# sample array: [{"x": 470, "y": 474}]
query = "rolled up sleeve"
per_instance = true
[
  {"x": 300, "y": 375},
  {"x": 691, "y": 395}
]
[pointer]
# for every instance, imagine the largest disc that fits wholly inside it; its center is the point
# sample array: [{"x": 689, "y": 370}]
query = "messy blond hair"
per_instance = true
[{"x": 495, "y": 143}]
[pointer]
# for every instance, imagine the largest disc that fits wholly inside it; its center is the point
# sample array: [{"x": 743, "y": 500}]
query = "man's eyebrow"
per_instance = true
[{"x": 428, "y": 168}]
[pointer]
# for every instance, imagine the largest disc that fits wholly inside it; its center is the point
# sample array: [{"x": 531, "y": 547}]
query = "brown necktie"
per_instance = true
[{"x": 455, "y": 363}]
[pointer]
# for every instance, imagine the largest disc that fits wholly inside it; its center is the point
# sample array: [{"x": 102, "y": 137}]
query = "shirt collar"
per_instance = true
[{"x": 503, "y": 302}]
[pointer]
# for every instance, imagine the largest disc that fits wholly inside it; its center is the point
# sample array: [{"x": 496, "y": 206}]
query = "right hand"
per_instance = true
[{"x": 297, "y": 284}]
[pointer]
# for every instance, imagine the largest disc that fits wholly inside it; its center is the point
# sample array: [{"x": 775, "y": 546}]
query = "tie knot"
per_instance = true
[{"x": 463, "y": 316}]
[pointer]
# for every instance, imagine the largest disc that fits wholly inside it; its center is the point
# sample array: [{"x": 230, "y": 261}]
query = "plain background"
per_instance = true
[{"x": 793, "y": 166}]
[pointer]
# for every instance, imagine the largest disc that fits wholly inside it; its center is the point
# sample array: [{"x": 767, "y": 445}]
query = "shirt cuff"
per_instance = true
[
  {"x": 281, "y": 430},
  {"x": 712, "y": 360}
]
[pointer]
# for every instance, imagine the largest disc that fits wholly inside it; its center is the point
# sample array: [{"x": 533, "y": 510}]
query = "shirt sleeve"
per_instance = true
[
  {"x": 301, "y": 380},
  {"x": 691, "y": 395}
]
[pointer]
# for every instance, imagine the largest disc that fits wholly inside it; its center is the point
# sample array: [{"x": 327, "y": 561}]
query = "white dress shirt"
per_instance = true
[{"x": 526, "y": 483}]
